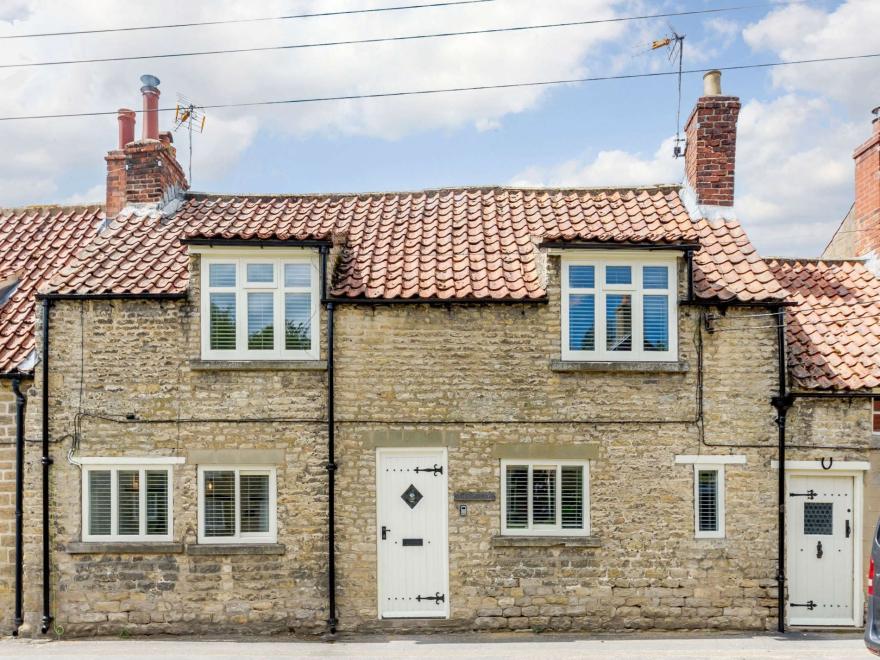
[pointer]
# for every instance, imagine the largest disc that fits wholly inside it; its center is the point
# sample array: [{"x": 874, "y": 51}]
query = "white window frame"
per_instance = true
[
  {"x": 114, "y": 466},
  {"x": 637, "y": 261},
  {"x": 719, "y": 497},
  {"x": 278, "y": 259},
  {"x": 545, "y": 530},
  {"x": 238, "y": 537},
  {"x": 706, "y": 463}
]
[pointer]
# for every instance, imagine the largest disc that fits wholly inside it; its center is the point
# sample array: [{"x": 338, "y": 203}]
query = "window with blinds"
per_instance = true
[
  {"x": 708, "y": 501},
  {"x": 615, "y": 308},
  {"x": 707, "y": 505},
  {"x": 129, "y": 503},
  {"x": 260, "y": 308},
  {"x": 545, "y": 497},
  {"x": 236, "y": 505}
]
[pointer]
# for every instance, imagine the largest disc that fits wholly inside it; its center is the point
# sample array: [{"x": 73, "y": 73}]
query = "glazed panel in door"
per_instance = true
[
  {"x": 821, "y": 544},
  {"x": 412, "y": 513}
]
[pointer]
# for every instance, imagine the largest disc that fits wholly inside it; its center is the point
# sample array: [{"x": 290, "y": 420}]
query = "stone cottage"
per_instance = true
[{"x": 474, "y": 409}]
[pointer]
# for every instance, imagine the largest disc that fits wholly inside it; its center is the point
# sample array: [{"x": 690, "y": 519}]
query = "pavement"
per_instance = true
[{"x": 793, "y": 646}]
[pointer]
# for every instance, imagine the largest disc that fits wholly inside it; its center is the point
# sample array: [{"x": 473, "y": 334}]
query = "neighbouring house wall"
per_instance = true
[
  {"x": 843, "y": 243},
  {"x": 845, "y": 423},
  {"x": 466, "y": 377},
  {"x": 7, "y": 496},
  {"x": 7, "y": 504}
]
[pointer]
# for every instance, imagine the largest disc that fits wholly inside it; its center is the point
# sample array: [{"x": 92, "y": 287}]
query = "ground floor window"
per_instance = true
[
  {"x": 127, "y": 503},
  {"x": 709, "y": 501},
  {"x": 545, "y": 497},
  {"x": 237, "y": 504},
  {"x": 709, "y": 506}
]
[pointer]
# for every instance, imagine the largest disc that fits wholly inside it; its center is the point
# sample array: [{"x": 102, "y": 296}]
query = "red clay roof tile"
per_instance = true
[
  {"x": 463, "y": 243},
  {"x": 37, "y": 242},
  {"x": 833, "y": 330}
]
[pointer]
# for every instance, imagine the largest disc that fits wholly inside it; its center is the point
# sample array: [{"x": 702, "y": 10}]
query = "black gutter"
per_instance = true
[
  {"x": 782, "y": 402},
  {"x": 834, "y": 395},
  {"x": 255, "y": 242},
  {"x": 20, "y": 403},
  {"x": 46, "y": 461},
  {"x": 599, "y": 245},
  {"x": 331, "y": 455},
  {"x": 436, "y": 301},
  {"x": 111, "y": 296},
  {"x": 730, "y": 302}
]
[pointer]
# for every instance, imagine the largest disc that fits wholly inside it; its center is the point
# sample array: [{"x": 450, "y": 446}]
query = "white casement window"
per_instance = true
[
  {"x": 127, "y": 502},
  {"x": 619, "y": 308},
  {"x": 545, "y": 498},
  {"x": 709, "y": 507},
  {"x": 237, "y": 504},
  {"x": 260, "y": 308}
]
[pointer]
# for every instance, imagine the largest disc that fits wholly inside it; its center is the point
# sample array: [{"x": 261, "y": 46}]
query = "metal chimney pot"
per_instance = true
[{"x": 150, "y": 92}]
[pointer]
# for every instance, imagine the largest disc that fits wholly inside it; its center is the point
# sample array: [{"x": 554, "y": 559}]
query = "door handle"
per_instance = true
[
  {"x": 385, "y": 531},
  {"x": 819, "y": 552},
  {"x": 848, "y": 529}
]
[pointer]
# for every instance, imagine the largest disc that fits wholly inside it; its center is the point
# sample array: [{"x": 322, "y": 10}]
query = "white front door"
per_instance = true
[
  {"x": 821, "y": 535},
  {"x": 412, "y": 513}
]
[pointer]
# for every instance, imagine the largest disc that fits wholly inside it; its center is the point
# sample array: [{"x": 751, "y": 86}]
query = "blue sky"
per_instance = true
[{"x": 797, "y": 130}]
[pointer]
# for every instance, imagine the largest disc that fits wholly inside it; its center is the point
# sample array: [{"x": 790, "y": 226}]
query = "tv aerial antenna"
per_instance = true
[
  {"x": 675, "y": 45},
  {"x": 188, "y": 114}
]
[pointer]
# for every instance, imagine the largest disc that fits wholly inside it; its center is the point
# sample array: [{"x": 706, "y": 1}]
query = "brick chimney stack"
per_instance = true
[
  {"x": 144, "y": 171},
  {"x": 866, "y": 209},
  {"x": 710, "y": 152}
]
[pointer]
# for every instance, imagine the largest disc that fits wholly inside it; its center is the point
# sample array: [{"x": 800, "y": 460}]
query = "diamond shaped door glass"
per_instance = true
[{"x": 411, "y": 496}]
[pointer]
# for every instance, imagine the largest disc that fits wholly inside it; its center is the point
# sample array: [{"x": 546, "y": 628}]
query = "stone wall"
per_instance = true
[
  {"x": 467, "y": 377},
  {"x": 7, "y": 503}
]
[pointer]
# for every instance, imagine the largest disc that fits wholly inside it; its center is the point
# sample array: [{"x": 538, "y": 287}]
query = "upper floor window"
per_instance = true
[
  {"x": 260, "y": 308},
  {"x": 619, "y": 308},
  {"x": 875, "y": 415}
]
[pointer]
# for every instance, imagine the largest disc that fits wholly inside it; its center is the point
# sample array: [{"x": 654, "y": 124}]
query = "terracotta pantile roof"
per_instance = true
[
  {"x": 36, "y": 241},
  {"x": 727, "y": 267},
  {"x": 834, "y": 330},
  {"x": 442, "y": 244}
]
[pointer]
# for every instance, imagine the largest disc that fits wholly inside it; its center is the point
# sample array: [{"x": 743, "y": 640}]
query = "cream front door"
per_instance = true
[
  {"x": 821, "y": 535},
  {"x": 412, "y": 509}
]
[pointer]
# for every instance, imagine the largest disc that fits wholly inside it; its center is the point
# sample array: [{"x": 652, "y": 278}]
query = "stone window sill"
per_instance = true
[
  {"x": 258, "y": 365},
  {"x": 545, "y": 541},
  {"x": 220, "y": 549},
  {"x": 641, "y": 367},
  {"x": 124, "y": 548}
]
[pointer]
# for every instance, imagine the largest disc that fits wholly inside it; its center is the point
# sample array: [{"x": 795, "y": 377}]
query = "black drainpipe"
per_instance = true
[
  {"x": 20, "y": 403},
  {"x": 782, "y": 402},
  {"x": 331, "y": 456},
  {"x": 46, "y": 461}
]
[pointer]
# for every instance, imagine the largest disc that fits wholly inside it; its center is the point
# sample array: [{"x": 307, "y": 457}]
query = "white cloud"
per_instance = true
[
  {"x": 42, "y": 154},
  {"x": 14, "y": 10},
  {"x": 93, "y": 195},
  {"x": 799, "y": 31},
  {"x": 794, "y": 173},
  {"x": 609, "y": 167}
]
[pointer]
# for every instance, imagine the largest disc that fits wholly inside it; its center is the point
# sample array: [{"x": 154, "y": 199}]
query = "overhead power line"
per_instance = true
[
  {"x": 449, "y": 90},
  {"x": 230, "y": 21},
  {"x": 374, "y": 40}
]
